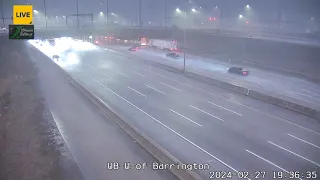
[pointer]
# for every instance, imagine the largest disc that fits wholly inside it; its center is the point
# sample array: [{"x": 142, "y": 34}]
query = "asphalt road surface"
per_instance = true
[
  {"x": 301, "y": 90},
  {"x": 200, "y": 123},
  {"x": 291, "y": 57},
  {"x": 93, "y": 140}
]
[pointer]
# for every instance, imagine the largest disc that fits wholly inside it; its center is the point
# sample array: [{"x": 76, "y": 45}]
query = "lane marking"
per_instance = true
[
  {"x": 305, "y": 95},
  {"x": 310, "y": 92},
  {"x": 124, "y": 75},
  {"x": 294, "y": 153},
  {"x": 185, "y": 117},
  {"x": 304, "y": 141},
  {"x": 137, "y": 73},
  {"x": 136, "y": 91},
  {"x": 221, "y": 97},
  {"x": 155, "y": 89},
  {"x": 206, "y": 152},
  {"x": 108, "y": 76},
  {"x": 225, "y": 108},
  {"x": 275, "y": 117},
  {"x": 170, "y": 86},
  {"x": 206, "y": 113},
  {"x": 99, "y": 73},
  {"x": 267, "y": 161}
]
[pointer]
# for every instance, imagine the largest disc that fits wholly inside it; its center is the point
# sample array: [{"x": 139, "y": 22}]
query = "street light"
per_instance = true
[
  {"x": 240, "y": 16},
  {"x": 247, "y": 6},
  {"x": 101, "y": 13},
  {"x": 35, "y": 11},
  {"x": 106, "y": 9},
  {"x": 185, "y": 34}
]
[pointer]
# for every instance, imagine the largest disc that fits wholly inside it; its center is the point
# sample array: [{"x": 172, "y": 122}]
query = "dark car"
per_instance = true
[
  {"x": 173, "y": 55},
  {"x": 57, "y": 57},
  {"x": 134, "y": 48},
  {"x": 238, "y": 70},
  {"x": 52, "y": 42}
]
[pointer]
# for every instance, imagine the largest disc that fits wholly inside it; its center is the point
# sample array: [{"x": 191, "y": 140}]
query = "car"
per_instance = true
[
  {"x": 52, "y": 42},
  {"x": 173, "y": 55},
  {"x": 57, "y": 57},
  {"x": 238, "y": 70},
  {"x": 134, "y": 48}
]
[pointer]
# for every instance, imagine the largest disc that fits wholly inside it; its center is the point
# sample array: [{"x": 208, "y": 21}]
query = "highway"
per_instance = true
[
  {"x": 285, "y": 56},
  {"x": 197, "y": 122},
  {"x": 93, "y": 139},
  {"x": 305, "y": 91}
]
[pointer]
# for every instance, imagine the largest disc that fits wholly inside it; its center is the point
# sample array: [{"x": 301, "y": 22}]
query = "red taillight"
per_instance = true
[
  {"x": 244, "y": 73},
  {"x": 97, "y": 42}
]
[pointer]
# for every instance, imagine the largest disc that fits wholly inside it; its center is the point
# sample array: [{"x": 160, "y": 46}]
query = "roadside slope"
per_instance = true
[{"x": 31, "y": 147}]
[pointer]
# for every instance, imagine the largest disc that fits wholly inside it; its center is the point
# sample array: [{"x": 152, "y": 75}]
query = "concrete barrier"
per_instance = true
[
  {"x": 222, "y": 84},
  {"x": 284, "y": 103},
  {"x": 147, "y": 143}
]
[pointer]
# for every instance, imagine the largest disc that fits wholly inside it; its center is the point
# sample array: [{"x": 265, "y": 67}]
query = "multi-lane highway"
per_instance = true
[
  {"x": 301, "y": 90},
  {"x": 200, "y": 123}
]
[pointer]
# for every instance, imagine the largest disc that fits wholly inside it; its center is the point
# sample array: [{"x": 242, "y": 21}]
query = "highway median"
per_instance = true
[{"x": 288, "y": 102}]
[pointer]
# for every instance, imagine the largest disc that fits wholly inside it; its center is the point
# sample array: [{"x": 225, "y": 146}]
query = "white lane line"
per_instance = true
[
  {"x": 225, "y": 108},
  {"x": 222, "y": 162},
  {"x": 294, "y": 153},
  {"x": 136, "y": 91},
  {"x": 170, "y": 86},
  {"x": 102, "y": 73},
  {"x": 137, "y": 73},
  {"x": 206, "y": 113},
  {"x": 268, "y": 161},
  {"x": 185, "y": 117},
  {"x": 124, "y": 75},
  {"x": 310, "y": 92},
  {"x": 275, "y": 117},
  {"x": 221, "y": 97},
  {"x": 108, "y": 76},
  {"x": 304, "y": 141},
  {"x": 155, "y": 89},
  {"x": 309, "y": 96}
]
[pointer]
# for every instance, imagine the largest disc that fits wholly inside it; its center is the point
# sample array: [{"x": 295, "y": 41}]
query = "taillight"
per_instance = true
[
  {"x": 97, "y": 42},
  {"x": 244, "y": 73}
]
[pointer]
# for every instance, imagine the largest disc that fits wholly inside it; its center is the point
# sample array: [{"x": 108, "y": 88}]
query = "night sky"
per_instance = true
[{"x": 153, "y": 10}]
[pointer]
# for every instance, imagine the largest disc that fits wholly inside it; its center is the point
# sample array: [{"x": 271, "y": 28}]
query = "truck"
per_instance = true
[
  {"x": 169, "y": 45},
  {"x": 143, "y": 42}
]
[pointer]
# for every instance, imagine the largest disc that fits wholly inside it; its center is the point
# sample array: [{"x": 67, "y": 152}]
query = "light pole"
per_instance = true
[
  {"x": 165, "y": 14},
  {"x": 185, "y": 41},
  {"x": 244, "y": 38},
  {"x": 45, "y": 12},
  {"x": 185, "y": 35},
  {"x": 106, "y": 9},
  {"x": 140, "y": 23},
  {"x": 78, "y": 13},
  {"x": 220, "y": 18},
  {"x": 2, "y": 14}
]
